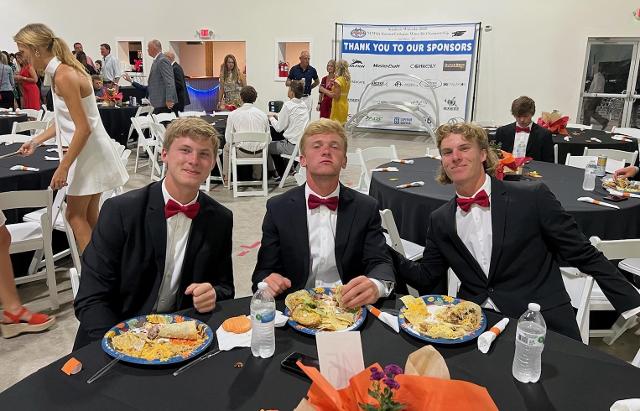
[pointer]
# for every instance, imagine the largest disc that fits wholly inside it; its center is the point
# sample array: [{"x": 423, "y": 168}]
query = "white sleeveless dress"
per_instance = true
[{"x": 98, "y": 167}]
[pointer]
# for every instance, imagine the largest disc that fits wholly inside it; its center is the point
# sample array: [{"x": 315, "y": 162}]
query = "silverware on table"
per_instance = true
[
  {"x": 102, "y": 371},
  {"x": 9, "y": 155},
  {"x": 196, "y": 361}
]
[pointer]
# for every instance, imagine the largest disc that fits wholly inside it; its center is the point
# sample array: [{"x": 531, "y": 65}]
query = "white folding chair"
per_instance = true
[
  {"x": 374, "y": 153},
  {"x": 48, "y": 117},
  {"x": 636, "y": 360},
  {"x": 141, "y": 111},
  {"x": 33, "y": 127},
  {"x": 157, "y": 131},
  {"x": 301, "y": 175},
  {"x": 555, "y": 154},
  {"x": 192, "y": 113},
  {"x": 34, "y": 115},
  {"x": 410, "y": 250},
  {"x": 33, "y": 236},
  {"x": 147, "y": 144},
  {"x": 250, "y": 137},
  {"x": 433, "y": 153},
  {"x": 580, "y": 126},
  {"x": 582, "y": 161},
  {"x": 163, "y": 117},
  {"x": 453, "y": 283},
  {"x": 292, "y": 158},
  {"x": 626, "y": 156},
  {"x": 627, "y": 131},
  {"x": 579, "y": 287},
  {"x": 14, "y": 138}
]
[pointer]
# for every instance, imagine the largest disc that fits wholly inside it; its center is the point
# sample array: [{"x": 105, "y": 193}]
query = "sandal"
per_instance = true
[{"x": 13, "y": 325}]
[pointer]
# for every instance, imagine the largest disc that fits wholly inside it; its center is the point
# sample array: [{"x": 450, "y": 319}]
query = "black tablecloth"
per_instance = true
[
  {"x": 130, "y": 91},
  {"x": 6, "y": 121},
  {"x": 574, "y": 376},
  {"x": 412, "y": 207},
  {"x": 117, "y": 121},
  {"x": 219, "y": 123}
]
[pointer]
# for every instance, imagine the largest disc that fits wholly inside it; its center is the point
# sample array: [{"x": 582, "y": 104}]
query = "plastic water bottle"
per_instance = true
[
  {"x": 527, "y": 360},
  {"x": 263, "y": 315},
  {"x": 589, "y": 182}
]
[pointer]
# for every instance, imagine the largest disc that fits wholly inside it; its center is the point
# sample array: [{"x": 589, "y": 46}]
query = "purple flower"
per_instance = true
[
  {"x": 392, "y": 370},
  {"x": 391, "y": 383},
  {"x": 376, "y": 374}
]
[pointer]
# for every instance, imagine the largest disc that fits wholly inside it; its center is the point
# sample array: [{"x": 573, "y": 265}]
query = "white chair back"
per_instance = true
[
  {"x": 192, "y": 113},
  {"x": 582, "y": 161},
  {"x": 555, "y": 153},
  {"x": 433, "y": 152},
  {"x": 164, "y": 117},
  {"x": 14, "y": 138},
  {"x": 626, "y": 156},
  {"x": 34, "y": 127},
  {"x": 34, "y": 115},
  {"x": 579, "y": 286},
  {"x": 261, "y": 138},
  {"x": 374, "y": 153}
]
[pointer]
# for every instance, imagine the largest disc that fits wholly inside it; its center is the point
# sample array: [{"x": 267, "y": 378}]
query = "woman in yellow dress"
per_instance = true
[{"x": 340, "y": 93}]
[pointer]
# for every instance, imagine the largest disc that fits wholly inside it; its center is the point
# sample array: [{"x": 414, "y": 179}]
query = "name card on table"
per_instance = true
[{"x": 340, "y": 356}]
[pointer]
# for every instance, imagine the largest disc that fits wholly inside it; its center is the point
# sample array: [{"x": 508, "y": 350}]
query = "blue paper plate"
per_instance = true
[
  {"x": 360, "y": 316},
  {"x": 442, "y": 300},
  {"x": 137, "y": 322}
]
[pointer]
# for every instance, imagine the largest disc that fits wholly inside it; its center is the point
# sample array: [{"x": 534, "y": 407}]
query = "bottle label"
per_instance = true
[
  {"x": 266, "y": 317},
  {"x": 530, "y": 339}
]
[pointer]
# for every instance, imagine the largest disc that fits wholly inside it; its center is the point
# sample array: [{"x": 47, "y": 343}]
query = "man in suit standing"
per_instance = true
[
  {"x": 181, "y": 84},
  {"x": 324, "y": 234},
  {"x": 524, "y": 138},
  {"x": 502, "y": 239},
  {"x": 161, "y": 85},
  {"x": 161, "y": 248}
]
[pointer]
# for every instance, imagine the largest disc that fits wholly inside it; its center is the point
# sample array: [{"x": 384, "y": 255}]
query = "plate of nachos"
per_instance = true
[
  {"x": 441, "y": 319},
  {"x": 319, "y": 309},
  {"x": 622, "y": 184},
  {"x": 157, "y": 339}
]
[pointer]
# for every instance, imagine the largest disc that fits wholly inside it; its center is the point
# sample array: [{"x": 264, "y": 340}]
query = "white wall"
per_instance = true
[{"x": 535, "y": 48}]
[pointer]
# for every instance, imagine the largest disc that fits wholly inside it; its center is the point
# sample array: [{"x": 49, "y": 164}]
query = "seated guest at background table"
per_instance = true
[
  {"x": 502, "y": 239},
  {"x": 247, "y": 118},
  {"x": 98, "y": 86},
  {"x": 632, "y": 172},
  {"x": 161, "y": 248},
  {"x": 322, "y": 233},
  {"x": 290, "y": 121},
  {"x": 16, "y": 319},
  {"x": 525, "y": 138}
]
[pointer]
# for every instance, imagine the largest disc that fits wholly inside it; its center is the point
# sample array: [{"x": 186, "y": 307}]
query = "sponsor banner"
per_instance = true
[{"x": 427, "y": 66}]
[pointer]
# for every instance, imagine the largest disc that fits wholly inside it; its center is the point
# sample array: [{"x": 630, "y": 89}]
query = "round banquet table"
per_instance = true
[
  {"x": 219, "y": 123},
  {"x": 574, "y": 376},
  {"x": 117, "y": 121},
  {"x": 411, "y": 207},
  {"x": 7, "y": 120}
]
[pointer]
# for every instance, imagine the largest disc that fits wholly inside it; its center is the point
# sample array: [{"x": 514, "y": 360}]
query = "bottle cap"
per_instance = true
[
  {"x": 534, "y": 307},
  {"x": 263, "y": 286}
]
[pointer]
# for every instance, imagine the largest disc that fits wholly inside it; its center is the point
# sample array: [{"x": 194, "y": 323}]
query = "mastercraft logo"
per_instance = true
[
  {"x": 386, "y": 66},
  {"x": 358, "y": 33},
  {"x": 356, "y": 63},
  {"x": 451, "y": 104}
]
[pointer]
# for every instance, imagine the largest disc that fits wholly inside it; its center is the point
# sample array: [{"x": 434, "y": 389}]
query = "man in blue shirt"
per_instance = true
[{"x": 306, "y": 73}]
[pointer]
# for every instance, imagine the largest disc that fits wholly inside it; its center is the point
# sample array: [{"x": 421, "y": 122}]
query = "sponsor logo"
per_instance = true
[
  {"x": 419, "y": 103},
  {"x": 455, "y": 120},
  {"x": 356, "y": 63},
  {"x": 454, "y": 65},
  {"x": 423, "y": 66},
  {"x": 354, "y": 100},
  {"x": 398, "y": 83},
  {"x": 378, "y": 83},
  {"x": 454, "y": 34},
  {"x": 373, "y": 117},
  {"x": 403, "y": 120},
  {"x": 453, "y": 84},
  {"x": 431, "y": 83},
  {"x": 386, "y": 66},
  {"x": 358, "y": 82},
  {"x": 451, "y": 104},
  {"x": 358, "y": 33}
]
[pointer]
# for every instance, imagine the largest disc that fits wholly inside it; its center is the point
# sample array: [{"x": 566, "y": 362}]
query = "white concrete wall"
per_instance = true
[{"x": 536, "y": 48}]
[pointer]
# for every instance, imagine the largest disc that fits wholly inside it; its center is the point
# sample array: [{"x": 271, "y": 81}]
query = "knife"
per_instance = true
[
  {"x": 196, "y": 361},
  {"x": 9, "y": 155}
]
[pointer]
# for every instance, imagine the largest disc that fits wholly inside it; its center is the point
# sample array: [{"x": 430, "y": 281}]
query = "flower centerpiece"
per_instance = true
[
  {"x": 111, "y": 96},
  {"x": 382, "y": 389}
]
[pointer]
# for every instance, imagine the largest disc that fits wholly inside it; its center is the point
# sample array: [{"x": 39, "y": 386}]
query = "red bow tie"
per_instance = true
[
  {"x": 523, "y": 129},
  {"x": 314, "y": 202},
  {"x": 482, "y": 199},
  {"x": 172, "y": 208}
]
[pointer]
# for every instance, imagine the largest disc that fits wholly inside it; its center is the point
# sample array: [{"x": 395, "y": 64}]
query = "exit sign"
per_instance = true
[{"x": 205, "y": 33}]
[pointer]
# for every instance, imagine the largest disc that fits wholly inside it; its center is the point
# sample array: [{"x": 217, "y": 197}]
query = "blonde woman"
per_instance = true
[
  {"x": 339, "y": 93},
  {"x": 231, "y": 82},
  {"x": 91, "y": 165}
]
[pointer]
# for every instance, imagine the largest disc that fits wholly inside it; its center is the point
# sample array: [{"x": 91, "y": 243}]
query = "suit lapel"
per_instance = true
[
  {"x": 453, "y": 234},
  {"x": 499, "y": 208},
  {"x": 346, "y": 215},
  {"x": 157, "y": 226},
  {"x": 299, "y": 219}
]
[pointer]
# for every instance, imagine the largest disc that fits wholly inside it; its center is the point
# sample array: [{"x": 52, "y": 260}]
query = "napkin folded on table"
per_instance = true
[
  {"x": 621, "y": 194},
  {"x": 20, "y": 167},
  {"x": 388, "y": 319},
  {"x": 597, "y": 202},
  {"x": 48, "y": 158},
  {"x": 621, "y": 138},
  {"x": 385, "y": 169},
  {"x": 227, "y": 340},
  {"x": 631, "y": 404}
]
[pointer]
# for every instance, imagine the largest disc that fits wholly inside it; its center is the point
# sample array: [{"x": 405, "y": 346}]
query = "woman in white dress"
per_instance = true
[{"x": 91, "y": 165}]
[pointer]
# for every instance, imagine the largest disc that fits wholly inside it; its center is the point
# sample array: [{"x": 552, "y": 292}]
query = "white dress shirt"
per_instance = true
[
  {"x": 247, "y": 118},
  {"x": 474, "y": 229},
  {"x": 178, "y": 229},
  {"x": 321, "y": 225},
  {"x": 110, "y": 68},
  {"x": 520, "y": 142},
  {"x": 293, "y": 118}
]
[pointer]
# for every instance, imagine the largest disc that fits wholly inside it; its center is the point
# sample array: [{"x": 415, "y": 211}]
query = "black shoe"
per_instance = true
[{"x": 605, "y": 124}]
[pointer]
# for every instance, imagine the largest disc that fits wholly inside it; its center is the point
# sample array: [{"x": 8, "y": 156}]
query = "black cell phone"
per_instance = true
[
  {"x": 614, "y": 198},
  {"x": 289, "y": 363}
]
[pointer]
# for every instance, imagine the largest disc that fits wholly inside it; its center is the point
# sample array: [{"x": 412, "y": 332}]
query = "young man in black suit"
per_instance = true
[
  {"x": 502, "y": 238},
  {"x": 323, "y": 233},
  {"x": 161, "y": 248},
  {"x": 524, "y": 138}
]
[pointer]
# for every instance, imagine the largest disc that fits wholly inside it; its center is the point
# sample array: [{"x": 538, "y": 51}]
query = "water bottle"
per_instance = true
[
  {"x": 263, "y": 315},
  {"x": 527, "y": 360},
  {"x": 589, "y": 182}
]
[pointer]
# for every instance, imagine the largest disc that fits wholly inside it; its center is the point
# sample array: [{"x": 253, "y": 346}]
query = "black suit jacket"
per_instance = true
[
  {"x": 360, "y": 246},
  {"x": 529, "y": 228},
  {"x": 181, "y": 85},
  {"x": 123, "y": 265},
  {"x": 539, "y": 146}
]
